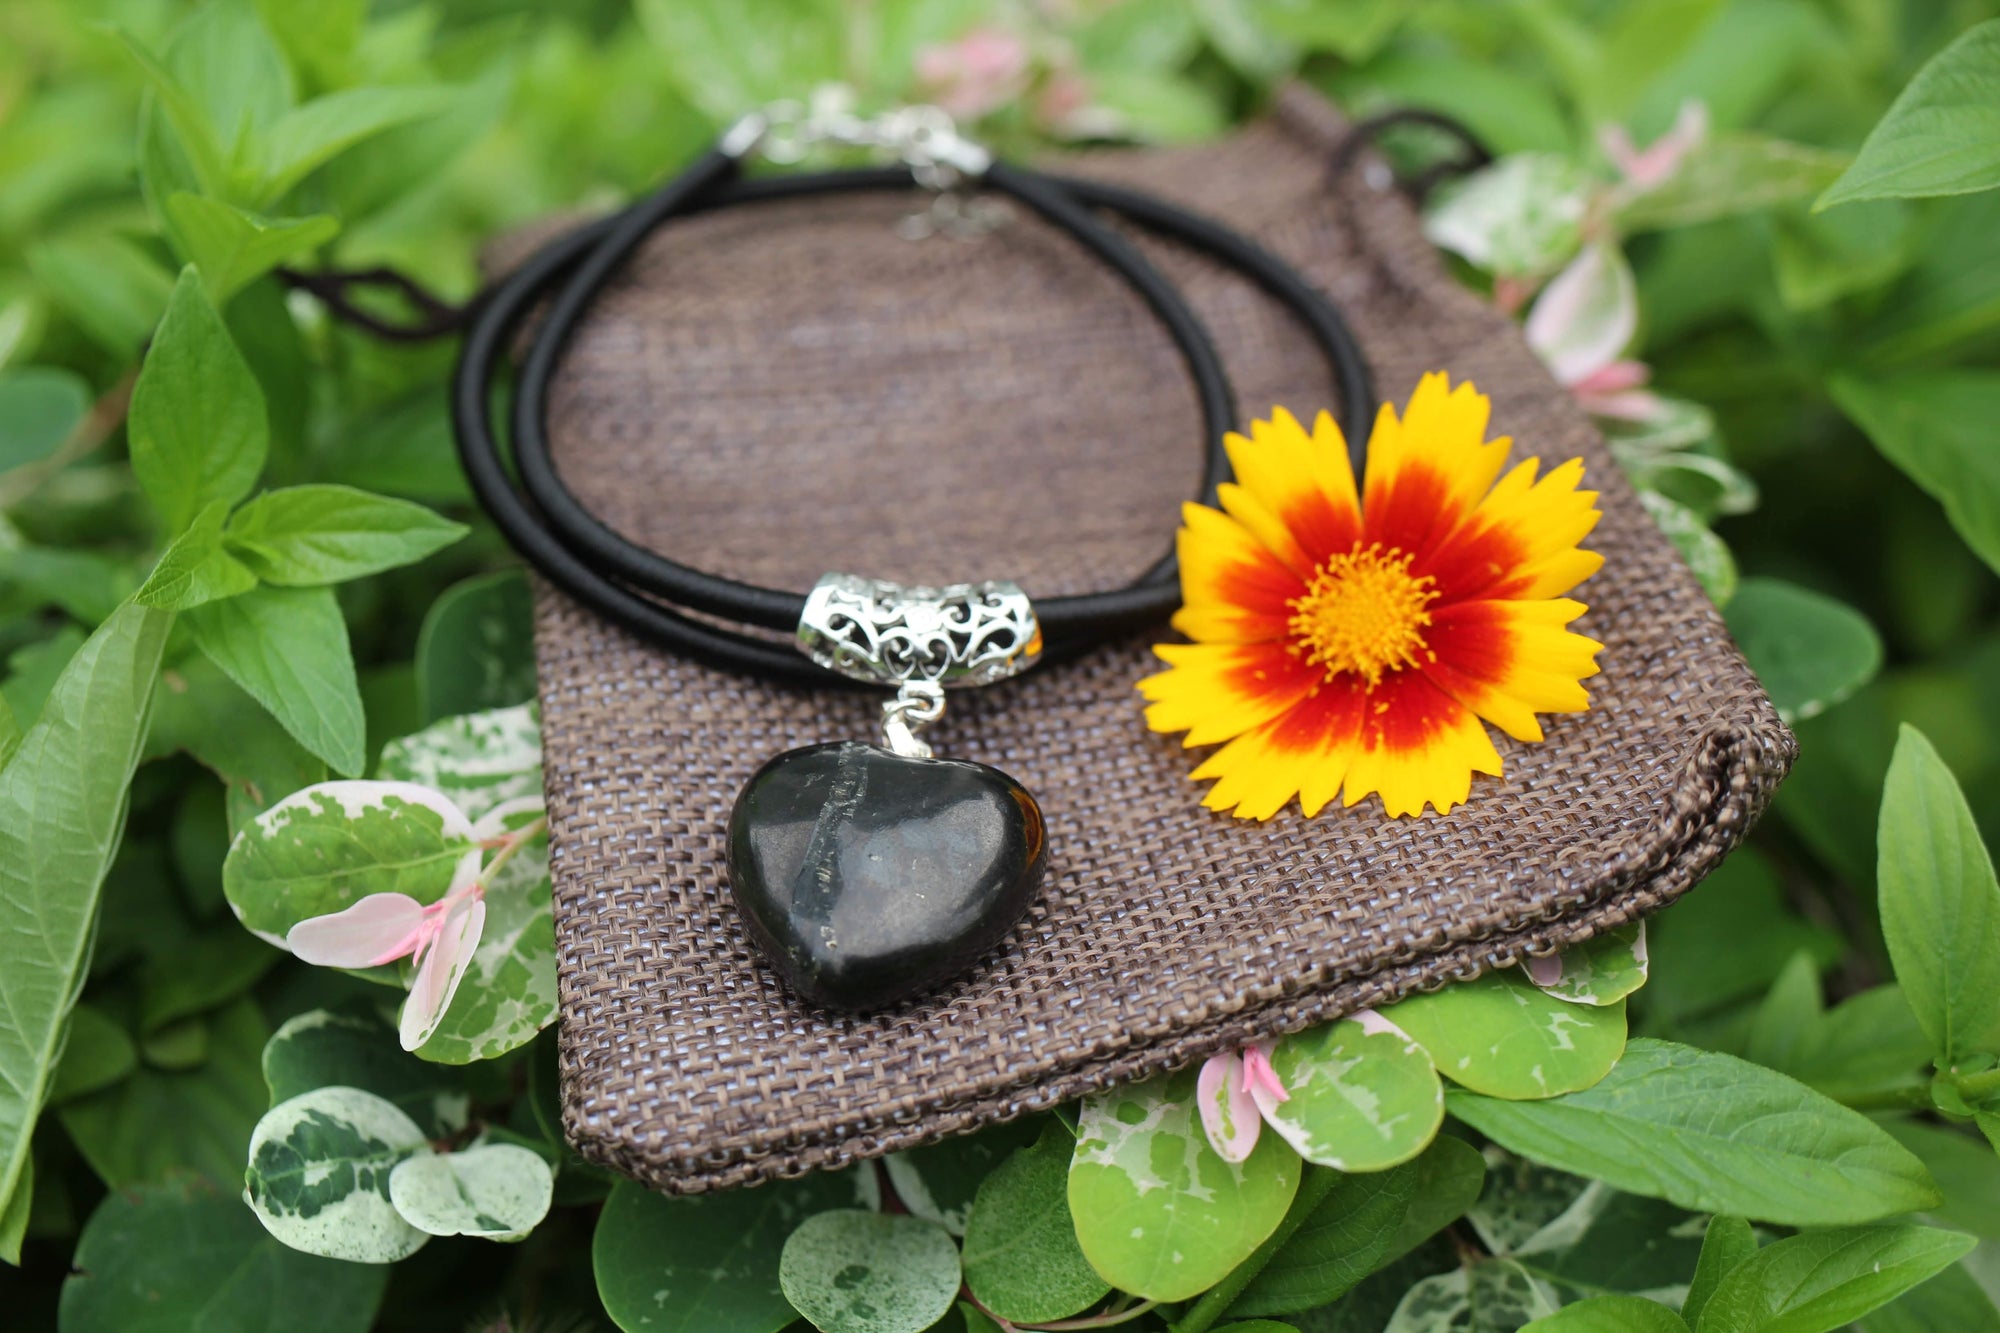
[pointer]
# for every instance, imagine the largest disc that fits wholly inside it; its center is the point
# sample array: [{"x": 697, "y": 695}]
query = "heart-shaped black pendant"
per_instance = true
[{"x": 868, "y": 876}]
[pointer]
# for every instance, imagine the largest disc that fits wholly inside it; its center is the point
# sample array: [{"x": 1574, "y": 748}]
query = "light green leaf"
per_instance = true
[
  {"x": 850, "y": 1271},
  {"x": 1599, "y": 971},
  {"x": 321, "y": 850},
  {"x": 1952, "y": 1300},
  {"x": 1940, "y": 902},
  {"x": 938, "y": 1181},
  {"x": 1021, "y": 1256},
  {"x": 183, "y": 1255},
  {"x": 479, "y": 760},
  {"x": 1868, "y": 1046},
  {"x": 310, "y": 136},
  {"x": 1364, "y": 1097},
  {"x": 39, "y": 407},
  {"x": 495, "y": 1190},
  {"x": 1500, "y": 1035},
  {"x": 1522, "y": 217},
  {"x": 700, "y": 1262},
  {"x": 287, "y": 648},
  {"x": 14, "y": 1212},
  {"x": 728, "y": 55},
  {"x": 1157, "y": 1212},
  {"x": 1610, "y": 1314},
  {"x": 195, "y": 569},
  {"x": 1942, "y": 133},
  {"x": 1728, "y": 1242},
  {"x": 303, "y": 536},
  {"x": 231, "y": 247},
  {"x": 1931, "y": 425},
  {"x": 321, "y": 1048},
  {"x": 160, "y": 1122},
  {"x": 97, "y": 1052},
  {"x": 1729, "y": 174},
  {"x": 319, "y": 1175},
  {"x": 1810, "y": 651},
  {"x": 1708, "y": 557},
  {"x": 1716, "y": 1134},
  {"x": 1964, "y": 1166},
  {"x": 206, "y": 156},
  {"x": 508, "y": 992},
  {"x": 197, "y": 425},
  {"x": 1156, "y": 107},
  {"x": 476, "y": 649},
  {"x": 1493, "y": 1296},
  {"x": 62, "y": 810},
  {"x": 1821, "y": 1280}
]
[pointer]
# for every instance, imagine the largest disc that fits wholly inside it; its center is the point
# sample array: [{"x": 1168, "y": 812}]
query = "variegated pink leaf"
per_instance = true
[
  {"x": 1228, "y": 1115},
  {"x": 441, "y": 969},
  {"x": 375, "y": 929}
]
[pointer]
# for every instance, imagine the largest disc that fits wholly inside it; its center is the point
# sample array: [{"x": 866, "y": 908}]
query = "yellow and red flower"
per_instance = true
[{"x": 1352, "y": 643}]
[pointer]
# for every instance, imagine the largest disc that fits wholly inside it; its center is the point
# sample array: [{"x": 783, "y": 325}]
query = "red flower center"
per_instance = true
[{"x": 1363, "y": 612}]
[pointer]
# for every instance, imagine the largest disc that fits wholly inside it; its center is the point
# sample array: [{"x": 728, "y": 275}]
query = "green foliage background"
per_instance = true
[{"x": 245, "y": 568}]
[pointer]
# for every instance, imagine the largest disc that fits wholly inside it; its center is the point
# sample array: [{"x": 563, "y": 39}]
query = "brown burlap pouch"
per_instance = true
[{"x": 778, "y": 391}]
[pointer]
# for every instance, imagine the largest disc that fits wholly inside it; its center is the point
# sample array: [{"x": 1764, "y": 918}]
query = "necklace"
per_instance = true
[{"x": 866, "y": 873}]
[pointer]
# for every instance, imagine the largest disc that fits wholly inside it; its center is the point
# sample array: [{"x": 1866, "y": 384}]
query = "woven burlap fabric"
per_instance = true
[{"x": 781, "y": 390}]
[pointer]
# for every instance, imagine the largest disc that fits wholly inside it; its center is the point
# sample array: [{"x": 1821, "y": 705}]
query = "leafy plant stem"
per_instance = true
[
  {"x": 1313, "y": 1188},
  {"x": 512, "y": 843}
]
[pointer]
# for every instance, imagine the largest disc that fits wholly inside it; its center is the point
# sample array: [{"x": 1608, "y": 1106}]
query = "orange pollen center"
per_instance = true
[{"x": 1363, "y": 612}]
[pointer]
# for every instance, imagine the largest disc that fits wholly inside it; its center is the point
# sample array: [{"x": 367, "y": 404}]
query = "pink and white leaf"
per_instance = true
[
  {"x": 1261, "y": 1079},
  {"x": 372, "y": 930},
  {"x": 441, "y": 969},
  {"x": 1656, "y": 163},
  {"x": 1586, "y": 315},
  {"x": 1228, "y": 1114}
]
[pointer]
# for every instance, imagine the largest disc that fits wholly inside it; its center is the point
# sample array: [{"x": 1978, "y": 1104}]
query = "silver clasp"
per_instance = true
[
  {"x": 917, "y": 704},
  {"x": 924, "y": 138}
]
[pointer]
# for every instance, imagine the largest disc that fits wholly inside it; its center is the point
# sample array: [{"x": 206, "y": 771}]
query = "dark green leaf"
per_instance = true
[
  {"x": 1821, "y": 1280},
  {"x": 307, "y": 535},
  {"x": 1716, "y": 1134},
  {"x": 1727, "y": 1243},
  {"x": 197, "y": 424},
  {"x": 1610, "y": 1314},
  {"x": 1942, "y": 135},
  {"x": 96, "y": 1053},
  {"x": 113, "y": 288},
  {"x": 62, "y": 810},
  {"x": 1021, "y": 1256},
  {"x": 937, "y": 1182},
  {"x": 186, "y": 1255},
  {"x": 1348, "y": 1236},
  {"x": 701, "y": 1262},
  {"x": 287, "y": 648},
  {"x": 1810, "y": 651},
  {"x": 476, "y": 649},
  {"x": 1928, "y": 424},
  {"x": 1964, "y": 1166},
  {"x": 1727, "y": 939},
  {"x": 850, "y": 1271},
  {"x": 205, "y": 713},
  {"x": 39, "y": 407},
  {"x": 1952, "y": 1300},
  {"x": 320, "y": 1049},
  {"x": 1940, "y": 903}
]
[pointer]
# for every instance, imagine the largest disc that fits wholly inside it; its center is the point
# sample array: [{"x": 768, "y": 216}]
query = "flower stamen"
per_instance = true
[{"x": 1364, "y": 613}]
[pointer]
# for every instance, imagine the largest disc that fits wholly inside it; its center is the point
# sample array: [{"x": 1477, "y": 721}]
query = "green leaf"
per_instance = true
[
  {"x": 1729, "y": 174},
  {"x": 321, "y": 850},
  {"x": 203, "y": 712},
  {"x": 1867, "y": 1046},
  {"x": 195, "y": 569},
  {"x": 1610, "y": 1314},
  {"x": 1941, "y": 135},
  {"x": 39, "y": 408},
  {"x": 1726, "y": 940},
  {"x": 62, "y": 810},
  {"x": 726, "y": 55},
  {"x": 231, "y": 247},
  {"x": 1364, "y": 1097},
  {"x": 287, "y": 648},
  {"x": 1716, "y": 1134},
  {"x": 1707, "y": 556},
  {"x": 158, "y": 1122},
  {"x": 1821, "y": 1280},
  {"x": 1600, "y": 971},
  {"x": 1965, "y": 1167},
  {"x": 1500, "y": 1035},
  {"x": 1021, "y": 1256},
  {"x": 1366, "y": 1222},
  {"x": 1493, "y": 1296},
  {"x": 498, "y": 1191},
  {"x": 1522, "y": 217},
  {"x": 508, "y": 992},
  {"x": 197, "y": 426},
  {"x": 96, "y": 1054},
  {"x": 1154, "y": 107},
  {"x": 1952, "y": 1300},
  {"x": 321, "y": 1048},
  {"x": 14, "y": 1212},
  {"x": 309, "y": 137},
  {"x": 1157, "y": 1212},
  {"x": 850, "y": 1271},
  {"x": 303, "y": 536},
  {"x": 938, "y": 1181},
  {"x": 196, "y": 972},
  {"x": 1810, "y": 651},
  {"x": 319, "y": 1175},
  {"x": 206, "y": 156},
  {"x": 479, "y": 760},
  {"x": 476, "y": 649},
  {"x": 184, "y": 1255},
  {"x": 1940, "y": 903},
  {"x": 1929, "y": 424},
  {"x": 695, "y": 1263},
  {"x": 1726, "y": 1244}
]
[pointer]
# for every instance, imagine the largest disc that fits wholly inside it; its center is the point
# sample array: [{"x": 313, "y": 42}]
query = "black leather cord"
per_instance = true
[{"x": 553, "y": 530}]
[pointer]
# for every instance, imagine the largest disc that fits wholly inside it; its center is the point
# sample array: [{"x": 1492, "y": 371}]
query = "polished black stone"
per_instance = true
[{"x": 868, "y": 877}]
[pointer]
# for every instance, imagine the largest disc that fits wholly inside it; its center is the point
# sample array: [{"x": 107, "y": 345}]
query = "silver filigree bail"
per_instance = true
[{"x": 920, "y": 641}]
